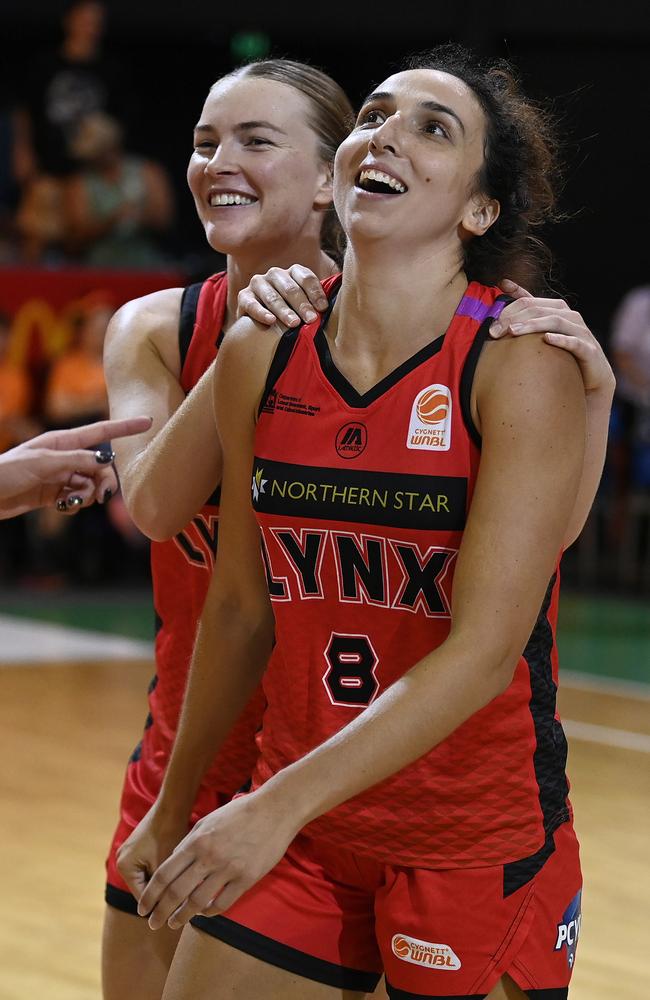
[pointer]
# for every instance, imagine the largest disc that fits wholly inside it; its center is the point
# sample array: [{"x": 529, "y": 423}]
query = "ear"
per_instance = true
[
  {"x": 480, "y": 214},
  {"x": 325, "y": 188}
]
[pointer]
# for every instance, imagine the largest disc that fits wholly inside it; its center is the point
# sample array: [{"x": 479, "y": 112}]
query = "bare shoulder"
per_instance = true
[
  {"x": 251, "y": 343},
  {"x": 520, "y": 361},
  {"x": 243, "y": 363},
  {"x": 151, "y": 318},
  {"x": 517, "y": 375}
]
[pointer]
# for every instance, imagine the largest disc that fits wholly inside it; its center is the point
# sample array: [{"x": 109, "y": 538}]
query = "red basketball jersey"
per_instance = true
[
  {"x": 362, "y": 501},
  {"x": 181, "y": 568}
]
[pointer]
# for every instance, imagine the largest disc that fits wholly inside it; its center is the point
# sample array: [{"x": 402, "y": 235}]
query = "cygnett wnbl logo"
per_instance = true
[{"x": 568, "y": 931}]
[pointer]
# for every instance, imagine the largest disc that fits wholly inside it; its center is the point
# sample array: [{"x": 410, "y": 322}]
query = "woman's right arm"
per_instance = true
[
  {"x": 236, "y": 626},
  {"x": 165, "y": 476}
]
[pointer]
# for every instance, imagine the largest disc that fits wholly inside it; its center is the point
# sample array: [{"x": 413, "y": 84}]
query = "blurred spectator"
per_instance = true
[
  {"x": 15, "y": 395},
  {"x": 630, "y": 347},
  {"x": 117, "y": 204},
  {"x": 64, "y": 86},
  {"x": 75, "y": 392}
]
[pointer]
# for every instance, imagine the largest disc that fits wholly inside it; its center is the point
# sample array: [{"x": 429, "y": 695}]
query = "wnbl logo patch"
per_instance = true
[{"x": 430, "y": 423}]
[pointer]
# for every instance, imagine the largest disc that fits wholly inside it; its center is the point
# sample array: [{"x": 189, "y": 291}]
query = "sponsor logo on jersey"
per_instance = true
[
  {"x": 430, "y": 423},
  {"x": 270, "y": 402},
  {"x": 259, "y": 484},
  {"x": 402, "y": 500},
  {"x": 433, "y": 956},
  {"x": 568, "y": 930},
  {"x": 280, "y": 401},
  {"x": 351, "y": 440}
]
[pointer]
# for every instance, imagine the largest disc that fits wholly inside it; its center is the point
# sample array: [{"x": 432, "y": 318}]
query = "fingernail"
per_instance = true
[
  {"x": 516, "y": 327},
  {"x": 104, "y": 457},
  {"x": 310, "y": 315},
  {"x": 293, "y": 321},
  {"x": 75, "y": 501},
  {"x": 61, "y": 506},
  {"x": 495, "y": 329},
  {"x": 108, "y": 493}
]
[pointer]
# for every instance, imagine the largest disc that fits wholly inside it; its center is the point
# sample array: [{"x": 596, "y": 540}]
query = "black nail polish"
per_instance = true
[
  {"x": 103, "y": 457},
  {"x": 61, "y": 506},
  {"x": 75, "y": 501},
  {"x": 108, "y": 493}
]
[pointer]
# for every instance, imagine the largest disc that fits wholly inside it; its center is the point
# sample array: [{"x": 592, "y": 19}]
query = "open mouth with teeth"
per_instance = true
[
  {"x": 226, "y": 198},
  {"x": 377, "y": 182}
]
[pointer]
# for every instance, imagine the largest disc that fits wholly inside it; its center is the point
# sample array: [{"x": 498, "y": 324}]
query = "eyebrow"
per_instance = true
[
  {"x": 382, "y": 95},
  {"x": 243, "y": 127}
]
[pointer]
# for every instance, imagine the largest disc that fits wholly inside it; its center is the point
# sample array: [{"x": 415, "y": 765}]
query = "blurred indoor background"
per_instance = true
[{"x": 73, "y": 248}]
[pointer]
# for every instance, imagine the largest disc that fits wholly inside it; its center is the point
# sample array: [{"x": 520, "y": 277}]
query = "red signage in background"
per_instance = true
[{"x": 41, "y": 303}]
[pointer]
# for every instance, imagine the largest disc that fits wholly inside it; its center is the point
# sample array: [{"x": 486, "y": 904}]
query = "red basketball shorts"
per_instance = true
[
  {"x": 142, "y": 784},
  {"x": 342, "y": 919}
]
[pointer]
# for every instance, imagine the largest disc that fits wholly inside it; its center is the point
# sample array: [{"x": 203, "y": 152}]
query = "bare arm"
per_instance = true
[
  {"x": 169, "y": 473},
  {"x": 527, "y": 397},
  {"x": 565, "y": 328},
  {"x": 236, "y": 629}
]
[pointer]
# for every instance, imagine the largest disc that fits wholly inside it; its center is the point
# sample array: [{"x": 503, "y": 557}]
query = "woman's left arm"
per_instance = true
[
  {"x": 565, "y": 328},
  {"x": 530, "y": 406}
]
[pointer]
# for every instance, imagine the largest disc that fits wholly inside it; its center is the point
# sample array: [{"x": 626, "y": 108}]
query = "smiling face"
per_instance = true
[
  {"x": 408, "y": 170},
  {"x": 256, "y": 175}
]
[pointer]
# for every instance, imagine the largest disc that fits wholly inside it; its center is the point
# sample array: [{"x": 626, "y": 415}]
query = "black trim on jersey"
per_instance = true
[
  {"x": 560, "y": 993},
  {"x": 137, "y": 753},
  {"x": 469, "y": 370},
  {"x": 396, "y": 994},
  {"x": 283, "y": 353},
  {"x": 119, "y": 899},
  {"x": 189, "y": 302},
  {"x": 549, "y": 759},
  {"x": 153, "y": 683},
  {"x": 518, "y": 873},
  {"x": 282, "y": 956},
  {"x": 157, "y": 622},
  {"x": 215, "y": 498},
  {"x": 347, "y": 392}
]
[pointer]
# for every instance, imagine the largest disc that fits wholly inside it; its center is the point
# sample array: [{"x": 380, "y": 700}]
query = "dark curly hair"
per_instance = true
[{"x": 520, "y": 170}]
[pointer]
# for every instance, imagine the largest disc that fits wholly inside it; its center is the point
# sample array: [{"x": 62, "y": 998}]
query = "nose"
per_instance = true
[
  {"x": 384, "y": 137},
  {"x": 221, "y": 161}
]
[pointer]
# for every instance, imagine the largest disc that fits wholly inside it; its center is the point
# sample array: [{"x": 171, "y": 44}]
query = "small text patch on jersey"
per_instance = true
[
  {"x": 433, "y": 956},
  {"x": 430, "y": 423}
]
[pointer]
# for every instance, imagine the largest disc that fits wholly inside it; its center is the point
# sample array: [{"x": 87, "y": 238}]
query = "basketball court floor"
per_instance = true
[{"x": 73, "y": 677}]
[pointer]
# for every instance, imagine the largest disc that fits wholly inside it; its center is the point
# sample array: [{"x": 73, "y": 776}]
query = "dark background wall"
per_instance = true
[{"x": 590, "y": 59}]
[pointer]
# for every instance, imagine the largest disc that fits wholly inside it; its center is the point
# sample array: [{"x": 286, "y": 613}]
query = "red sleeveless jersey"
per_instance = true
[
  {"x": 362, "y": 501},
  {"x": 181, "y": 568}
]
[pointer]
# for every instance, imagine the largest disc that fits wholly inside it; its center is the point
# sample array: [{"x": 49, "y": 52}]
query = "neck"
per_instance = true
[
  {"x": 392, "y": 304},
  {"x": 242, "y": 267}
]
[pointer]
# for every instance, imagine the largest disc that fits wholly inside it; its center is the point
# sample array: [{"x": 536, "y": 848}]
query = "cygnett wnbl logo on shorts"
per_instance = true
[
  {"x": 434, "y": 956},
  {"x": 568, "y": 931},
  {"x": 430, "y": 423}
]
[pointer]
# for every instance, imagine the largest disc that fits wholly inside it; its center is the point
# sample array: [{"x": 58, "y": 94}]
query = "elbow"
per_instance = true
[{"x": 149, "y": 514}]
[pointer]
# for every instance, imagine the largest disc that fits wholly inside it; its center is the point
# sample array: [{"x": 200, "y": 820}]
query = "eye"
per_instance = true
[
  {"x": 371, "y": 117},
  {"x": 258, "y": 140},
  {"x": 436, "y": 128},
  {"x": 205, "y": 144}
]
